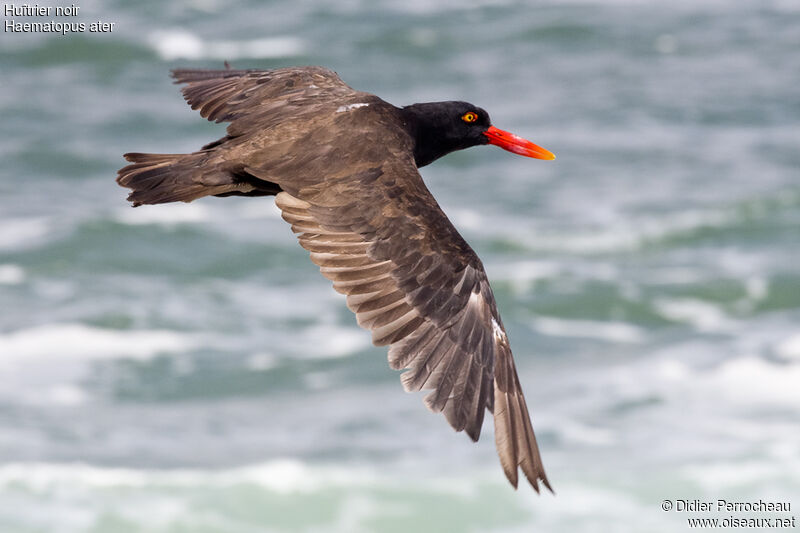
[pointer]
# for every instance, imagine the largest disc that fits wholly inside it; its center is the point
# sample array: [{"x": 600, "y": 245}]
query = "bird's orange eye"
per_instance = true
[{"x": 469, "y": 117}]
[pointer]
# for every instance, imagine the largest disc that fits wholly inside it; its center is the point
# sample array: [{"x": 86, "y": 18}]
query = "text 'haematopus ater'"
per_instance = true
[{"x": 343, "y": 166}]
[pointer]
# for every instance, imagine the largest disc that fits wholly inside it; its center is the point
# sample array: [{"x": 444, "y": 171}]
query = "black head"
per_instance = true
[{"x": 439, "y": 128}]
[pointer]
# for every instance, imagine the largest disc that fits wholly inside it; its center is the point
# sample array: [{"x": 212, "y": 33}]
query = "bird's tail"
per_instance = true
[{"x": 163, "y": 178}]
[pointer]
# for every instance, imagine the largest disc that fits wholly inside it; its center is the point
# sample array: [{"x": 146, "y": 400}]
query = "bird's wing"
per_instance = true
[
  {"x": 247, "y": 97},
  {"x": 354, "y": 196},
  {"x": 382, "y": 239}
]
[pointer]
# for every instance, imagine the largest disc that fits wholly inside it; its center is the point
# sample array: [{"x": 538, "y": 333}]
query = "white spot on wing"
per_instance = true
[
  {"x": 498, "y": 331},
  {"x": 473, "y": 298},
  {"x": 476, "y": 299},
  {"x": 350, "y": 107}
]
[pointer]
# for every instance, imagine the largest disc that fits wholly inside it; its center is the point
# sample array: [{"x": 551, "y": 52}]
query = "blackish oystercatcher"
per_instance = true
[{"x": 343, "y": 166}]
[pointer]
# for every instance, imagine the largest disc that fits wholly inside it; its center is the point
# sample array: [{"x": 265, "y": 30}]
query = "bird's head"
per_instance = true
[{"x": 439, "y": 128}]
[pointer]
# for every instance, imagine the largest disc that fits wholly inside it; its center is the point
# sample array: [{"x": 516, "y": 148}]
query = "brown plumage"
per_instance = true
[{"x": 344, "y": 165}]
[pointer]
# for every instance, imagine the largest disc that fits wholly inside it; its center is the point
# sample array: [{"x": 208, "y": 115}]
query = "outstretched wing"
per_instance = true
[
  {"x": 411, "y": 279},
  {"x": 246, "y": 97}
]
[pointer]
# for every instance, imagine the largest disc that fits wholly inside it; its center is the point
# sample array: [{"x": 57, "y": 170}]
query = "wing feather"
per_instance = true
[
  {"x": 230, "y": 95},
  {"x": 440, "y": 322}
]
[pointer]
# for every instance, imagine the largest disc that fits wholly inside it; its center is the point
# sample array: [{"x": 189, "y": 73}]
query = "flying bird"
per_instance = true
[{"x": 343, "y": 166}]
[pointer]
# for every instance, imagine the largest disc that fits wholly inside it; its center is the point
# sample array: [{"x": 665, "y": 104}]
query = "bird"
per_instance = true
[{"x": 343, "y": 166}]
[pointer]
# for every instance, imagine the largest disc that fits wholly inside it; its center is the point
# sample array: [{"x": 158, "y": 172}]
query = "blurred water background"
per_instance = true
[{"x": 185, "y": 368}]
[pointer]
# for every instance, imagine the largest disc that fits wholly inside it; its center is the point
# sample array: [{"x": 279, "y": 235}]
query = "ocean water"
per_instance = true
[{"x": 185, "y": 368}]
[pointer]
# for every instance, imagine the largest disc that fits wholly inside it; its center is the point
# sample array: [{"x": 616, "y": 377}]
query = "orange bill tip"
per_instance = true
[{"x": 516, "y": 144}]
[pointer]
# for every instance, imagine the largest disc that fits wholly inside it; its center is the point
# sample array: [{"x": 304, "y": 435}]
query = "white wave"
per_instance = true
[
  {"x": 257, "y": 210},
  {"x": 467, "y": 219},
  {"x": 78, "y": 341},
  {"x": 677, "y": 275},
  {"x": 79, "y": 497},
  {"x": 167, "y": 214},
  {"x": 207, "y": 6},
  {"x": 702, "y": 315},
  {"x": 307, "y": 301},
  {"x": 64, "y": 394},
  {"x": 329, "y": 340},
  {"x": 524, "y": 271},
  {"x": 789, "y": 348},
  {"x": 608, "y": 331},
  {"x": 611, "y": 233},
  {"x": 318, "y": 380},
  {"x": 11, "y": 274},
  {"x": 757, "y": 288},
  {"x": 584, "y": 434},
  {"x": 579, "y": 241},
  {"x": 523, "y": 275},
  {"x": 261, "y": 361},
  {"x": 181, "y": 44},
  {"x": 761, "y": 380},
  {"x": 672, "y": 370},
  {"x": 752, "y": 381},
  {"x": 280, "y": 475},
  {"x": 22, "y": 232},
  {"x": 743, "y": 473}
]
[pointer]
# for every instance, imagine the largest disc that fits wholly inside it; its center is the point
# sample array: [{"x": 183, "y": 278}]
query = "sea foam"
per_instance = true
[
  {"x": 181, "y": 44},
  {"x": 79, "y": 341},
  {"x": 620, "y": 332}
]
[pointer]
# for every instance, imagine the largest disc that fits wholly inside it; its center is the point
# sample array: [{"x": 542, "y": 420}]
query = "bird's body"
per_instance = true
[{"x": 343, "y": 166}]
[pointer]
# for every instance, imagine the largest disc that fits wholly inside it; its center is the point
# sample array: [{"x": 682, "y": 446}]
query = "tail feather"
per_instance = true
[{"x": 162, "y": 178}]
